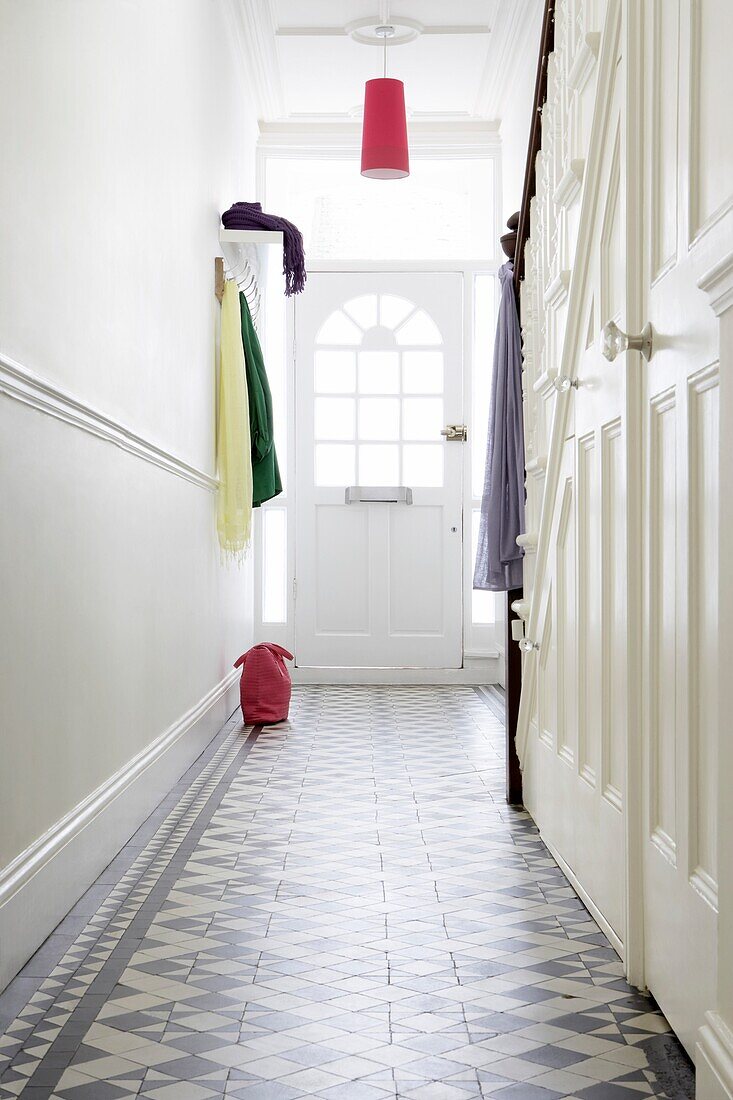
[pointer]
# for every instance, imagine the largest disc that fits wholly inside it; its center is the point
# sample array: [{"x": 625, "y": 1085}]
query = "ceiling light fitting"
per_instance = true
[{"x": 384, "y": 150}]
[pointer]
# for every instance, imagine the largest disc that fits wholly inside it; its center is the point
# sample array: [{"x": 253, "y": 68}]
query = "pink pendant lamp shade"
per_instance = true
[{"x": 384, "y": 152}]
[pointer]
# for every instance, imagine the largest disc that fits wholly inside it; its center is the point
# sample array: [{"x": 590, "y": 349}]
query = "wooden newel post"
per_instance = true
[{"x": 513, "y": 681}]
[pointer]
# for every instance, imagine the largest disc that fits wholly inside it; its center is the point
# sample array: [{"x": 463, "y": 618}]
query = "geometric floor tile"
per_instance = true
[{"x": 342, "y": 906}]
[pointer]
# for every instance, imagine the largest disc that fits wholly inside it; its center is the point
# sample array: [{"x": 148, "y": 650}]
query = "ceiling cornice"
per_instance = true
[
  {"x": 429, "y": 119},
  {"x": 255, "y": 25},
  {"x": 516, "y": 29},
  {"x": 285, "y": 31},
  {"x": 469, "y": 138}
]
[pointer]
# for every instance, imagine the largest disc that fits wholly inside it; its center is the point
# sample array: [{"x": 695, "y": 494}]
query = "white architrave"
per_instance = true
[{"x": 714, "y": 1056}]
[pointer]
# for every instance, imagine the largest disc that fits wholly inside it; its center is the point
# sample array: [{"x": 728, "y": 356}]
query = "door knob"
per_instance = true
[
  {"x": 562, "y": 383},
  {"x": 455, "y": 433},
  {"x": 614, "y": 341},
  {"x": 527, "y": 645}
]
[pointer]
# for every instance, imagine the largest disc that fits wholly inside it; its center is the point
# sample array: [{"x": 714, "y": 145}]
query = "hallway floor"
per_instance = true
[{"x": 341, "y": 908}]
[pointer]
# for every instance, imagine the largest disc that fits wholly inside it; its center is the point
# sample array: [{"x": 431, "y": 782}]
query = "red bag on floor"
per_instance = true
[{"x": 265, "y": 686}]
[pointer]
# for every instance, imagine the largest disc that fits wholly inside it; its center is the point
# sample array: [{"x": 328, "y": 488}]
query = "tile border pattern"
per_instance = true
[
  {"x": 551, "y": 952},
  {"x": 49, "y": 1028}
]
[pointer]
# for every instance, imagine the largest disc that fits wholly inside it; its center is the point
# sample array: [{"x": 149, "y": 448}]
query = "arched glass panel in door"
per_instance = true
[{"x": 378, "y": 393}]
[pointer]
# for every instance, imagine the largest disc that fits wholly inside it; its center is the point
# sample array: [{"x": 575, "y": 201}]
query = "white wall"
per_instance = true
[
  {"x": 516, "y": 116},
  {"x": 125, "y": 130}
]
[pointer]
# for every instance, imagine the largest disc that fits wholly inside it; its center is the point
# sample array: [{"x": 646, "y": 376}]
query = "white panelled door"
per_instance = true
[
  {"x": 681, "y": 447},
  {"x": 378, "y": 376}
]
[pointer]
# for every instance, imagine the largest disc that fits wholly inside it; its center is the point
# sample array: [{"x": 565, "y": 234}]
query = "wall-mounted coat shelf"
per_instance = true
[{"x": 245, "y": 261}]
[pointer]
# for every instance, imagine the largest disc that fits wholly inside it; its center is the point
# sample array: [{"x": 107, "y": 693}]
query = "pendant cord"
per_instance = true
[{"x": 385, "y": 56}]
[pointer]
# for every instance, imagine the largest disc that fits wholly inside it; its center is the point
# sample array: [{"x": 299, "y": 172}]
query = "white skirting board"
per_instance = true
[
  {"x": 587, "y": 900},
  {"x": 714, "y": 1060},
  {"x": 45, "y": 881}
]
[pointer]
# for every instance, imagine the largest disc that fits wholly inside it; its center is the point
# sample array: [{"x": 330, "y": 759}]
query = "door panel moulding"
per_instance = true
[{"x": 714, "y": 1062}]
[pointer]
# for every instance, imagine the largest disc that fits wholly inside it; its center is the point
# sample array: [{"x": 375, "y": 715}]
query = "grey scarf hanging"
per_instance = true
[{"x": 498, "y": 558}]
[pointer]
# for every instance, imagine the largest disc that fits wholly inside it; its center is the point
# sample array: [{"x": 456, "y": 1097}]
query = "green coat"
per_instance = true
[{"x": 266, "y": 482}]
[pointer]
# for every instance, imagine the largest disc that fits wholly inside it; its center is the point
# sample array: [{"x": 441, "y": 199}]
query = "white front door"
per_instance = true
[{"x": 379, "y": 369}]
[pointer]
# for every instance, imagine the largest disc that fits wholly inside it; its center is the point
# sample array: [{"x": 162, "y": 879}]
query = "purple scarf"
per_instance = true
[{"x": 248, "y": 215}]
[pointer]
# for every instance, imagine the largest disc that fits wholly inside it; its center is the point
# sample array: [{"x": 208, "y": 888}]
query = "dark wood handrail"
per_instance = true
[
  {"x": 547, "y": 43},
  {"x": 512, "y": 656}
]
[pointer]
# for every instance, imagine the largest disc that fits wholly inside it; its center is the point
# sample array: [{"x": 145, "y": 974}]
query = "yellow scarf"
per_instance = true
[{"x": 233, "y": 448}]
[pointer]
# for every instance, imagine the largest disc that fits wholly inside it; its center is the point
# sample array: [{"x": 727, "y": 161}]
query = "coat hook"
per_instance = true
[{"x": 219, "y": 279}]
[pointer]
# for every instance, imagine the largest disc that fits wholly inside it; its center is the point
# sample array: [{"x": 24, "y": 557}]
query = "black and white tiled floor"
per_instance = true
[{"x": 343, "y": 907}]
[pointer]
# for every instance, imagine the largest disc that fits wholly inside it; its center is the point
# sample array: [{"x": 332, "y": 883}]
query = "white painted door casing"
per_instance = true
[{"x": 379, "y": 372}]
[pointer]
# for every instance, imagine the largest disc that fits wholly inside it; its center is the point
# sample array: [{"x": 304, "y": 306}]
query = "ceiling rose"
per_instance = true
[{"x": 366, "y": 30}]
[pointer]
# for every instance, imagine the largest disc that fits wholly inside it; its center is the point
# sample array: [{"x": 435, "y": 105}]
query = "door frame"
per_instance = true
[
  {"x": 483, "y": 647},
  {"x": 633, "y": 122}
]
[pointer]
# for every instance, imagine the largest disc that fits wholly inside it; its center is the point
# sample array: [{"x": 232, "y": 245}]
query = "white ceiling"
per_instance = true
[
  {"x": 330, "y": 12},
  {"x": 307, "y": 68}
]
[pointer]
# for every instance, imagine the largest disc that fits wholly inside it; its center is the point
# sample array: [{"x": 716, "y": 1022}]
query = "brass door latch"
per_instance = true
[{"x": 455, "y": 433}]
